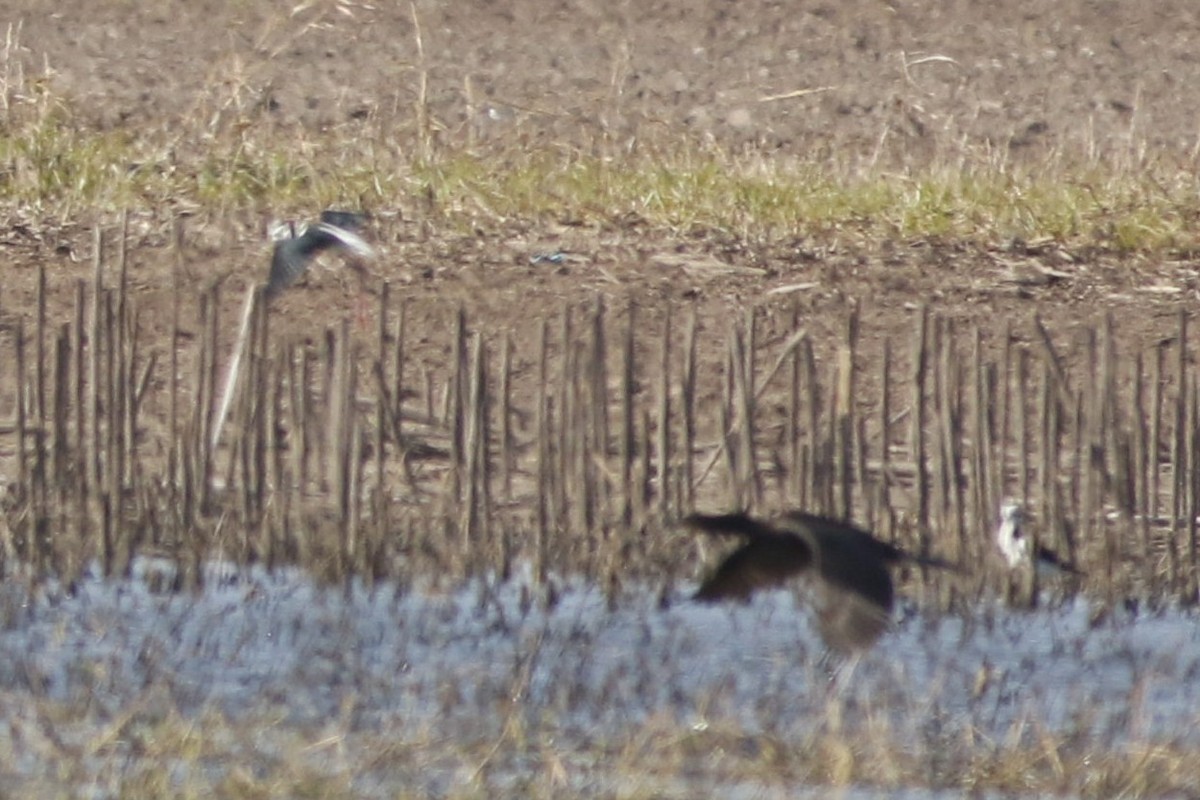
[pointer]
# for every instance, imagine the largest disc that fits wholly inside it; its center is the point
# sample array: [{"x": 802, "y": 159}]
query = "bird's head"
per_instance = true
[{"x": 282, "y": 230}]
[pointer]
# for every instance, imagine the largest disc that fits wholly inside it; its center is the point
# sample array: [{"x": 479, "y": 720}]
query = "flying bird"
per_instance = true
[
  {"x": 855, "y": 594},
  {"x": 297, "y": 245},
  {"x": 1018, "y": 549}
]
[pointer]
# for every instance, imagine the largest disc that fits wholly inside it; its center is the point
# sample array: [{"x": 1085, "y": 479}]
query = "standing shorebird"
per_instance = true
[
  {"x": 1019, "y": 550},
  {"x": 854, "y": 592},
  {"x": 297, "y": 245}
]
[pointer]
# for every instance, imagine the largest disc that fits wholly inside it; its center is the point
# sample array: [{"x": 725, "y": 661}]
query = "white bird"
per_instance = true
[
  {"x": 1017, "y": 548},
  {"x": 297, "y": 245}
]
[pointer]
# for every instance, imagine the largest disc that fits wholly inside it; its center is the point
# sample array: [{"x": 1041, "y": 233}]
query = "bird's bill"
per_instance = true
[
  {"x": 1011, "y": 511},
  {"x": 1050, "y": 563},
  {"x": 281, "y": 230},
  {"x": 935, "y": 562}
]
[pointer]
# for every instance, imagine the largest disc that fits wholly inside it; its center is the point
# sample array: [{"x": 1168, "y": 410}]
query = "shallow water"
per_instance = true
[{"x": 455, "y": 665}]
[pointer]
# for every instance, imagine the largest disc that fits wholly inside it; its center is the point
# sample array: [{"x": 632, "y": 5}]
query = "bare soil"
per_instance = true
[{"x": 869, "y": 83}]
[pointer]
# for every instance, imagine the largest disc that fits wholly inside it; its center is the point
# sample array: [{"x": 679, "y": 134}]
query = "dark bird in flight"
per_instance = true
[
  {"x": 854, "y": 592},
  {"x": 1019, "y": 550},
  {"x": 296, "y": 246}
]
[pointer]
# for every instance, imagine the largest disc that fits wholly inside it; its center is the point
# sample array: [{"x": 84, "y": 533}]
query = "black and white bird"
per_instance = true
[
  {"x": 1019, "y": 551},
  {"x": 854, "y": 593},
  {"x": 297, "y": 245}
]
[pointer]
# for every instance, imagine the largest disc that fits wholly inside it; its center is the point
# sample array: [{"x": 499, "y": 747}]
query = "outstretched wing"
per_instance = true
[
  {"x": 758, "y": 564},
  {"x": 852, "y": 565},
  {"x": 849, "y": 621},
  {"x": 860, "y": 540},
  {"x": 346, "y": 220},
  {"x": 856, "y": 594},
  {"x": 767, "y": 559},
  {"x": 289, "y": 260},
  {"x": 325, "y": 235},
  {"x": 735, "y": 524},
  {"x": 292, "y": 256}
]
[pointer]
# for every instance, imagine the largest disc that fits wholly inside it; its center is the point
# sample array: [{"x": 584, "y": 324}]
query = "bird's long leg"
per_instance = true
[
  {"x": 841, "y": 673},
  {"x": 839, "y": 678}
]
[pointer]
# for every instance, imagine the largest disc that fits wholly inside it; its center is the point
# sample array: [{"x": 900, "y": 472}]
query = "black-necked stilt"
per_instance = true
[
  {"x": 297, "y": 245},
  {"x": 855, "y": 594},
  {"x": 1018, "y": 549}
]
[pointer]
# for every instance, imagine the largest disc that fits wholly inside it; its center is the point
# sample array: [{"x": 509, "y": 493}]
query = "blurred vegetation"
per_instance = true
[{"x": 53, "y": 163}]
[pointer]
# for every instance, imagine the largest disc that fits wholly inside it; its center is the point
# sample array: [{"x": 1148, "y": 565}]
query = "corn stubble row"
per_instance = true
[{"x": 575, "y": 450}]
